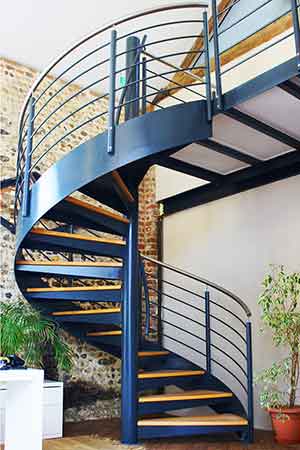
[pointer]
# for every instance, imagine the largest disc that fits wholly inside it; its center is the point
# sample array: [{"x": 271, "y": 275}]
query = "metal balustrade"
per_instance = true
[{"x": 192, "y": 318}]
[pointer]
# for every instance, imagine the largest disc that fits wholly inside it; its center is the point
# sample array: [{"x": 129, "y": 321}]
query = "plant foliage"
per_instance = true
[
  {"x": 280, "y": 303},
  {"x": 26, "y": 332}
]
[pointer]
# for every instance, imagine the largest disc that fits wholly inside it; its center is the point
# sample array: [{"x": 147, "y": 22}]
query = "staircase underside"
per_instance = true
[{"x": 255, "y": 140}]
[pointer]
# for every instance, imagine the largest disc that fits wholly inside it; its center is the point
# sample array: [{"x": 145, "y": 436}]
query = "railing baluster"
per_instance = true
[
  {"x": 207, "y": 65},
  {"x": 112, "y": 94},
  {"x": 26, "y": 184},
  {"x": 295, "y": 15},
  {"x": 217, "y": 55},
  {"x": 207, "y": 331},
  {"x": 249, "y": 380},
  {"x": 144, "y": 85}
]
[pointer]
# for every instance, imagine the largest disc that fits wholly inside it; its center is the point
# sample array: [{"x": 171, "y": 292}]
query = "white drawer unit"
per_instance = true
[{"x": 52, "y": 410}]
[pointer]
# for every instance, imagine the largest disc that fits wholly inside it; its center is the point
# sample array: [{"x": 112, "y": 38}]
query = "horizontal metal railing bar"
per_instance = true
[
  {"x": 257, "y": 31},
  {"x": 66, "y": 135},
  {"x": 159, "y": 25},
  {"x": 180, "y": 328},
  {"x": 176, "y": 299},
  {"x": 201, "y": 280},
  {"x": 67, "y": 101},
  {"x": 94, "y": 100},
  {"x": 176, "y": 286},
  {"x": 160, "y": 41},
  {"x": 136, "y": 99},
  {"x": 162, "y": 91},
  {"x": 179, "y": 314},
  {"x": 229, "y": 341},
  {"x": 69, "y": 68},
  {"x": 183, "y": 343},
  {"x": 68, "y": 83},
  {"x": 167, "y": 63},
  {"x": 257, "y": 53},
  {"x": 231, "y": 373},
  {"x": 228, "y": 7},
  {"x": 229, "y": 326},
  {"x": 229, "y": 357},
  {"x": 182, "y": 86},
  {"x": 229, "y": 311},
  {"x": 245, "y": 17}
]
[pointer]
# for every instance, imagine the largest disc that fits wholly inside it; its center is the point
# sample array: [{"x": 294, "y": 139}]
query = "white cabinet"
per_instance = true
[{"x": 52, "y": 410}]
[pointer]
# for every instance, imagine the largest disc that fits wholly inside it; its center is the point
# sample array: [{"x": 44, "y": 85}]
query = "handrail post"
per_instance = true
[
  {"x": 207, "y": 65},
  {"x": 144, "y": 85},
  {"x": 250, "y": 381},
  {"x": 26, "y": 182},
  {"x": 208, "y": 332},
  {"x": 217, "y": 55},
  {"x": 296, "y": 24},
  {"x": 130, "y": 323},
  {"x": 112, "y": 94}
]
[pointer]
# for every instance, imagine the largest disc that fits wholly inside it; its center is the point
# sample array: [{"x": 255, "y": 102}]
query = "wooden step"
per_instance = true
[
  {"x": 97, "y": 209},
  {"x": 153, "y": 353},
  {"x": 105, "y": 333},
  {"x": 169, "y": 374},
  {"x": 69, "y": 263},
  {"x": 116, "y": 287},
  {"x": 195, "y": 421},
  {"x": 83, "y": 312},
  {"x": 60, "y": 234},
  {"x": 186, "y": 395}
]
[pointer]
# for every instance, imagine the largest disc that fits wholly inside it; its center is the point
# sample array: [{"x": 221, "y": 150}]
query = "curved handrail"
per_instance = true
[
  {"x": 109, "y": 25},
  {"x": 203, "y": 281}
]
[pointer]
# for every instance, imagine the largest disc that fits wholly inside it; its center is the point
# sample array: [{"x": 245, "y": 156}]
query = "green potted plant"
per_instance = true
[
  {"x": 280, "y": 303},
  {"x": 26, "y": 332}
]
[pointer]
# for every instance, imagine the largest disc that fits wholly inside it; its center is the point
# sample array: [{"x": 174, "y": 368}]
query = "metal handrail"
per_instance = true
[
  {"x": 203, "y": 281},
  {"x": 110, "y": 25}
]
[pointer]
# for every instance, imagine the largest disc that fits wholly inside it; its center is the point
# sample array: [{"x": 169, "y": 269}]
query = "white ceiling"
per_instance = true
[{"x": 34, "y": 32}]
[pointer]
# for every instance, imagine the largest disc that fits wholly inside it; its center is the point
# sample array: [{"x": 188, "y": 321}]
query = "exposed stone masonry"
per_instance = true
[{"x": 95, "y": 374}]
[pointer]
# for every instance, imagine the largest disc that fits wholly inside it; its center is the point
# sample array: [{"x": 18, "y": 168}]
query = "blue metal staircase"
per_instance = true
[{"x": 182, "y": 338}]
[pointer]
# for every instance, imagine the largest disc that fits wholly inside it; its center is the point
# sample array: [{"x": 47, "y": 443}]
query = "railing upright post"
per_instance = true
[
  {"x": 144, "y": 85},
  {"x": 132, "y": 102},
  {"x": 130, "y": 323},
  {"x": 208, "y": 331},
  {"x": 207, "y": 65},
  {"x": 26, "y": 179},
  {"x": 112, "y": 94},
  {"x": 295, "y": 15},
  {"x": 217, "y": 55},
  {"x": 250, "y": 381}
]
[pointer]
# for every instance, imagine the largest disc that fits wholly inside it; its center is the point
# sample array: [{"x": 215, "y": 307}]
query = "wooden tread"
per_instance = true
[
  {"x": 195, "y": 421},
  {"x": 122, "y": 186},
  {"x": 150, "y": 353},
  {"x": 169, "y": 373},
  {"x": 187, "y": 395},
  {"x": 96, "y": 209},
  {"x": 116, "y": 287},
  {"x": 83, "y": 312},
  {"x": 61, "y": 234},
  {"x": 68, "y": 263},
  {"x": 105, "y": 333}
]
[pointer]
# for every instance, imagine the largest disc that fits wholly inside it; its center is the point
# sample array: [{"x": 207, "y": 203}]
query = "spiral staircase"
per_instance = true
[{"x": 184, "y": 341}]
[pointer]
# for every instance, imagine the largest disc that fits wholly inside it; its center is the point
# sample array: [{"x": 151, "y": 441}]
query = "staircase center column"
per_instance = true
[{"x": 131, "y": 273}]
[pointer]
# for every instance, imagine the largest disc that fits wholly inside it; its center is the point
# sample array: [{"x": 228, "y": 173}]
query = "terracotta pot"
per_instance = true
[{"x": 286, "y": 425}]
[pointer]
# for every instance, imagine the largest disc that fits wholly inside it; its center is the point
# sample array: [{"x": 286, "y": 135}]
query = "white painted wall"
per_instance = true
[{"x": 232, "y": 242}]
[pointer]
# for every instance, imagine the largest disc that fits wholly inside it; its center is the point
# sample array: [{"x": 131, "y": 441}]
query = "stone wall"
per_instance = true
[{"x": 95, "y": 373}]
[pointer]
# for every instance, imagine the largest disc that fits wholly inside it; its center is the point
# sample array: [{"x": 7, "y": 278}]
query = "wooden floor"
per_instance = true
[{"x": 102, "y": 435}]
